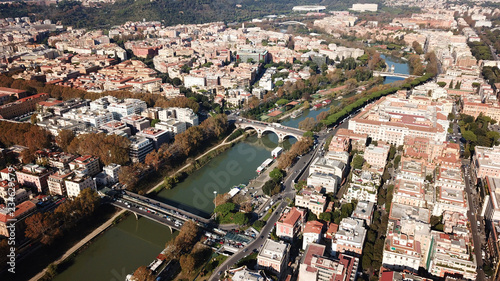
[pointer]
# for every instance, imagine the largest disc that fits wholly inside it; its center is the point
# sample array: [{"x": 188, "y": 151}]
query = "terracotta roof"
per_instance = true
[{"x": 313, "y": 227}]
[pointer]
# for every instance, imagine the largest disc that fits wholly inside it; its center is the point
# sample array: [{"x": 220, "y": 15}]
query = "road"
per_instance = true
[
  {"x": 300, "y": 170},
  {"x": 472, "y": 214}
]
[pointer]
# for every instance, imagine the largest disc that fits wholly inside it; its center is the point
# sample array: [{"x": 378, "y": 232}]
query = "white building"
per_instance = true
[
  {"x": 112, "y": 170},
  {"x": 349, "y": 238},
  {"x": 312, "y": 233},
  {"x": 77, "y": 183}
]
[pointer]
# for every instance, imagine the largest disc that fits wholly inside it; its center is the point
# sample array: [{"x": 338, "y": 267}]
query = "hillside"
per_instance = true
[{"x": 171, "y": 12}]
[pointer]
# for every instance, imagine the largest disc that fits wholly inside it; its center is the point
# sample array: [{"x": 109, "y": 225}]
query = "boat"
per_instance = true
[{"x": 297, "y": 113}]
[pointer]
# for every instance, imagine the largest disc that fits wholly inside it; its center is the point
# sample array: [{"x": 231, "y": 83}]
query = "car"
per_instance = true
[
  {"x": 244, "y": 251},
  {"x": 262, "y": 236}
]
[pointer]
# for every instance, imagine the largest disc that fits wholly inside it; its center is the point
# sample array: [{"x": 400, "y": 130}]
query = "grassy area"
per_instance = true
[
  {"x": 250, "y": 261},
  {"x": 210, "y": 266}
]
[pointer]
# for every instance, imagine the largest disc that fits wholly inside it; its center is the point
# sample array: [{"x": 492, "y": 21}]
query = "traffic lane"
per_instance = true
[
  {"x": 146, "y": 214},
  {"x": 475, "y": 234},
  {"x": 256, "y": 244}
]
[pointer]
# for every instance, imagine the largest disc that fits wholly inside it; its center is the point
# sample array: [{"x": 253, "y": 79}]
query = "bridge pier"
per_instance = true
[{"x": 136, "y": 216}]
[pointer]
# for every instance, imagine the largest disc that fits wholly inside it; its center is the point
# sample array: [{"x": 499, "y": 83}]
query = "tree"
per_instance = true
[
  {"x": 469, "y": 136},
  {"x": 311, "y": 216},
  {"x": 397, "y": 160},
  {"x": 326, "y": 216},
  {"x": 392, "y": 152},
  {"x": 441, "y": 84},
  {"x": 143, "y": 274},
  {"x": 357, "y": 161},
  {"x": 188, "y": 263},
  {"x": 307, "y": 124},
  {"x": 271, "y": 187},
  {"x": 64, "y": 139},
  {"x": 259, "y": 224},
  {"x": 40, "y": 226},
  {"x": 240, "y": 218},
  {"x": 225, "y": 208},
  {"x": 276, "y": 174},
  {"x": 417, "y": 48},
  {"x": 451, "y": 116}
]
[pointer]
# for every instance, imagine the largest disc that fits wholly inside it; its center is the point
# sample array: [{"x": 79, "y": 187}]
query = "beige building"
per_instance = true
[{"x": 273, "y": 256}]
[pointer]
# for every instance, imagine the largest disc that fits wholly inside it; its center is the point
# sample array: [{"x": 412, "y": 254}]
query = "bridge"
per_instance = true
[
  {"x": 261, "y": 127},
  {"x": 157, "y": 211},
  {"x": 392, "y": 74}
]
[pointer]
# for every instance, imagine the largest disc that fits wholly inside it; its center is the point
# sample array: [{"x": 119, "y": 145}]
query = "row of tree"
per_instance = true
[
  {"x": 171, "y": 155},
  {"x": 50, "y": 225},
  {"x": 299, "y": 148}
]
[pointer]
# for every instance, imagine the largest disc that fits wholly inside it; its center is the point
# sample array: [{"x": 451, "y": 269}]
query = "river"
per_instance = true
[
  {"x": 232, "y": 167},
  {"x": 119, "y": 251},
  {"x": 400, "y": 66}
]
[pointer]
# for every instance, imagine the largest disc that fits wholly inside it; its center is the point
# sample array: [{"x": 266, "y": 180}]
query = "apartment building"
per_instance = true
[
  {"x": 22, "y": 211},
  {"x": 409, "y": 193},
  {"x": 20, "y": 194},
  {"x": 451, "y": 256},
  {"x": 87, "y": 164},
  {"x": 376, "y": 156},
  {"x": 312, "y": 233},
  {"x": 364, "y": 211},
  {"x": 485, "y": 162},
  {"x": 314, "y": 266},
  {"x": 326, "y": 182},
  {"x": 78, "y": 182},
  {"x": 401, "y": 252},
  {"x": 139, "y": 148},
  {"x": 291, "y": 223},
  {"x": 185, "y": 115},
  {"x": 273, "y": 256},
  {"x": 349, "y": 238},
  {"x": 33, "y": 176},
  {"x": 112, "y": 171},
  {"x": 21, "y": 106},
  {"x": 57, "y": 184},
  {"x": 60, "y": 160},
  {"x": 136, "y": 123},
  {"x": 157, "y": 136},
  {"x": 310, "y": 199}
]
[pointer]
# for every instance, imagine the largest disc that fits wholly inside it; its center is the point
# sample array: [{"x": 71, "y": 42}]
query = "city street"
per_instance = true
[{"x": 472, "y": 214}]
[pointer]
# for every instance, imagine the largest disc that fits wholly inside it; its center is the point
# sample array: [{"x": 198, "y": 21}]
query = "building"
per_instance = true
[
  {"x": 401, "y": 252},
  {"x": 88, "y": 164},
  {"x": 485, "y": 162},
  {"x": 244, "y": 274},
  {"x": 60, "y": 160},
  {"x": 20, "y": 194},
  {"x": 57, "y": 184},
  {"x": 349, "y": 238},
  {"x": 22, "y": 211},
  {"x": 136, "y": 123},
  {"x": 19, "y": 94},
  {"x": 364, "y": 211},
  {"x": 291, "y": 223},
  {"x": 273, "y": 256},
  {"x": 185, "y": 115},
  {"x": 451, "y": 255},
  {"x": 325, "y": 172},
  {"x": 391, "y": 119},
  {"x": 157, "y": 136},
  {"x": 126, "y": 107},
  {"x": 253, "y": 55},
  {"x": 312, "y": 200},
  {"x": 364, "y": 7},
  {"x": 33, "y": 176},
  {"x": 326, "y": 182},
  {"x": 314, "y": 266},
  {"x": 172, "y": 126},
  {"x": 312, "y": 233},
  {"x": 112, "y": 171},
  {"x": 21, "y": 106},
  {"x": 376, "y": 156},
  {"x": 78, "y": 182},
  {"x": 139, "y": 148}
]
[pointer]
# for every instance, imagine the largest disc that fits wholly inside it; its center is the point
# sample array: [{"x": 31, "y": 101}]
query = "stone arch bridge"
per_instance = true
[{"x": 261, "y": 127}]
